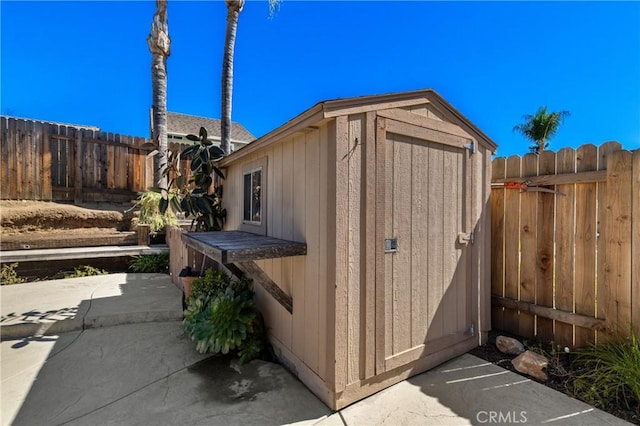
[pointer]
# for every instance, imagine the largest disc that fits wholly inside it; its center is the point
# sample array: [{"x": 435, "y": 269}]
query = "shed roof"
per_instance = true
[
  {"x": 328, "y": 109},
  {"x": 184, "y": 124}
]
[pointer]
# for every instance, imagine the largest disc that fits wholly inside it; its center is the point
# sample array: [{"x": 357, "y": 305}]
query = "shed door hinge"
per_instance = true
[
  {"x": 465, "y": 238},
  {"x": 471, "y": 330},
  {"x": 473, "y": 147}
]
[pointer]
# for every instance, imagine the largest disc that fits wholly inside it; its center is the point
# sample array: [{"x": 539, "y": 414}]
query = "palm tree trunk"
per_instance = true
[
  {"x": 159, "y": 45},
  {"x": 234, "y": 7}
]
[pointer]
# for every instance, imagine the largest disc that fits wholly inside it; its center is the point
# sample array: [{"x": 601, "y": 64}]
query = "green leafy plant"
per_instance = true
[
  {"x": 8, "y": 274},
  {"x": 149, "y": 203},
  {"x": 222, "y": 317},
  {"x": 610, "y": 371},
  {"x": 149, "y": 263},
  {"x": 85, "y": 271},
  {"x": 199, "y": 198}
]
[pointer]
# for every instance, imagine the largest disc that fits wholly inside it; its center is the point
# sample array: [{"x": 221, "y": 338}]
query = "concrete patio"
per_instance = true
[{"x": 111, "y": 350}]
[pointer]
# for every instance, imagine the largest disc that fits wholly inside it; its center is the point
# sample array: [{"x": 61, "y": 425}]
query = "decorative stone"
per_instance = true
[
  {"x": 531, "y": 363},
  {"x": 509, "y": 345}
]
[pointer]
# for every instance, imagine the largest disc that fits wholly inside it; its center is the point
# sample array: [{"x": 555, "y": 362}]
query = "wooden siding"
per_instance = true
[{"x": 297, "y": 210}]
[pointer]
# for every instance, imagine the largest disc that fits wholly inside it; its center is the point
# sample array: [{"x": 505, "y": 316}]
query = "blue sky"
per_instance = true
[{"x": 88, "y": 62}]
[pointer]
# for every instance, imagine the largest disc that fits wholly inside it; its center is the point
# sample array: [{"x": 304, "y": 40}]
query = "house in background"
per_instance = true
[{"x": 180, "y": 125}]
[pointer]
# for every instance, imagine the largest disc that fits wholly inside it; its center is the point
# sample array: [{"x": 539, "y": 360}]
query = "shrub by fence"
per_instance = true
[
  {"x": 566, "y": 268},
  {"x": 50, "y": 162}
]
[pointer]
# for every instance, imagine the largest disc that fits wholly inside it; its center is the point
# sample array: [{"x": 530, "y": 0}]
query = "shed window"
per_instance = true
[{"x": 253, "y": 196}]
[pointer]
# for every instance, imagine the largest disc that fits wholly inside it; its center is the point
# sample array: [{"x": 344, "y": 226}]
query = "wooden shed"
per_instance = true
[{"x": 390, "y": 194}]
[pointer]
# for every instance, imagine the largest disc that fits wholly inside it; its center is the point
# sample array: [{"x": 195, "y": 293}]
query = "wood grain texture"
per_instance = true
[
  {"x": 512, "y": 245},
  {"x": 635, "y": 238},
  {"x": 380, "y": 232},
  {"x": 528, "y": 243},
  {"x": 565, "y": 243},
  {"x": 498, "y": 169},
  {"x": 299, "y": 232},
  {"x": 617, "y": 273},
  {"x": 369, "y": 238},
  {"x": 423, "y": 121},
  {"x": 545, "y": 266},
  {"x": 435, "y": 234},
  {"x": 585, "y": 249}
]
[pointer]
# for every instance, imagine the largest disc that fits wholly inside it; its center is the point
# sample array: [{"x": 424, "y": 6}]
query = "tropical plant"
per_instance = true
[
  {"x": 199, "y": 197},
  {"x": 234, "y": 7},
  {"x": 159, "y": 45},
  {"x": 8, "y": 274},
  {"x": 149, "y": 263},
  {"x": 610, "y": 371},
  {"x": 541, "y": 127},
  {"x": 222, "y": 317}
]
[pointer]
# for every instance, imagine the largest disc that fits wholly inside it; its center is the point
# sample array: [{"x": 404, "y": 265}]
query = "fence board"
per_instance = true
[
  {"x": 565, "y": 243},
  {"x": 585, "y": 280},
  {"x": 618, "y": 245},
  {"x": 497, "y": 242},
  {"x": 602, "y": 289},
  {"x": 4, "y": 153},
  {"x": 635, "y": 248},
  {"x": 528, "y": 211},
  {"x": 585, "y": 250},
  {"x": 544, "y": 253},
  {"x": 512, "y": 244},
  {"x": 47, "y": 194}
]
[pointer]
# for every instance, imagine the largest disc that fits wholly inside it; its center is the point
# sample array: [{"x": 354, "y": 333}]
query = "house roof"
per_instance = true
[
  {"x": 184, "y": 124},
  {"x": 325, "y": 110}
]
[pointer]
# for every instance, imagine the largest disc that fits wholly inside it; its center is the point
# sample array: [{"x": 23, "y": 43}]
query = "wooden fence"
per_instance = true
[
  {"x": 566, "y": 267},
  {"x": 49, "y": 162}
]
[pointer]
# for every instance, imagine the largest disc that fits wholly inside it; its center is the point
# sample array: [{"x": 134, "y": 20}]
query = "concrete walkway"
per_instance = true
[{"x": 111, "y": 350}]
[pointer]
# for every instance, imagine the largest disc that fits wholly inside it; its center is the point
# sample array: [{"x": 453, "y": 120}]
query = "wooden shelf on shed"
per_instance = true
[{"x": 237, "y": 246}]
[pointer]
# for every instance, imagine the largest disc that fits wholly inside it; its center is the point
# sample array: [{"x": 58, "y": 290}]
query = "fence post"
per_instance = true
[{"x": 78, "y": 160}]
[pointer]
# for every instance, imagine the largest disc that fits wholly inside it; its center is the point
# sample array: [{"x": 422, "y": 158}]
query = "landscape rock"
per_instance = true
[
  {"x": 531, "y": 363},
  {"x": 509, "y": 345}
]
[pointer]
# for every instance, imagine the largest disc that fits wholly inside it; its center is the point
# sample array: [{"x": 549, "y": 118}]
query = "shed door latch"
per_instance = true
[{"x": 390, "y": 245}]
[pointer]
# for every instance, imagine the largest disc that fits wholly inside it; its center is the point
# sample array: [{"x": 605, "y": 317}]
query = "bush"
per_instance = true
[
  {"x": 222, "y": 317},
  {"x": 610, "y": 372},
  {"x": 8, "y": 275},
  {"x": 149, "y": 202},
  {"x": 85, "y": 271},
  {"x": 149, "y": 263}
]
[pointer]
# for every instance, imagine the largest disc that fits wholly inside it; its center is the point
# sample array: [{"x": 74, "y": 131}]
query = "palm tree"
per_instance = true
[
  {"x": 541, "y": 127},
  {"x": 159, "y": 45},
  {"x": 234, "y": 7}
]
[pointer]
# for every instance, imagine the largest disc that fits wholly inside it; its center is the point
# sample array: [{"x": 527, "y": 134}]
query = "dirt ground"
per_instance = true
[{"x": 19, "y": 217}]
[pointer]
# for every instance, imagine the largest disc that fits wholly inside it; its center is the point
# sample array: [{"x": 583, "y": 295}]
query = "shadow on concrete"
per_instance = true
[{"x": 128, "y": 365}]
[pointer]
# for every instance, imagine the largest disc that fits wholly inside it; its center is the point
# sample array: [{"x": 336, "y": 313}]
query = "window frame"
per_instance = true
[{"x": 249, "y": 225}]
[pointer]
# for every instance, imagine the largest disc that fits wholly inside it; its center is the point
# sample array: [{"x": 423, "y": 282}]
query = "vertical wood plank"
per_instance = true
[
  {"x": 585, "y": 250},
  {"x": 78, "y": 154},
  {"x": 451, "y": 188},
  {"x": 354, "y": 244},
  {"x": 635, "y": 243},
  {"x": 545, "y": 267},
  {"x": 498, "y": 170},
  {"x": 299, "y": 234},
  {"x": 484, "y": 252},
  {"x": 36, "y": 152},
  {"x": 331, "y": 315},
  {"x": 528, "y": 243},
  {"x": 4, "y": 158},
  {"x": 12, "y": 158},
  {"x": 603, "y": 290},
  {"x": 512, "y": 244},
  {"x": 419, "y": 244},
  {"x": 341, "y": 255},
  {"x": 46, "y": 164},
  {"x": 617, "y": 273},
  {"x": 401, "y": 172},
  {"x": 313, "y": 235},
  {"x": 435, "y": 235},
  {"x": 381, "y": 182},
  {"x": 286, "y": 282},
  {"x": 28, "y": 154},
  {"x": 369, "y": 172},
  {"x": 21, "y": 126},
  {"x": 565, "y": 243},
  {"x": 389, "y": 258}
]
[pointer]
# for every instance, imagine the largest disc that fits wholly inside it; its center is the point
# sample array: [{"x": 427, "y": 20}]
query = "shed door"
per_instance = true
[{"x": 423, "y": 284}]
